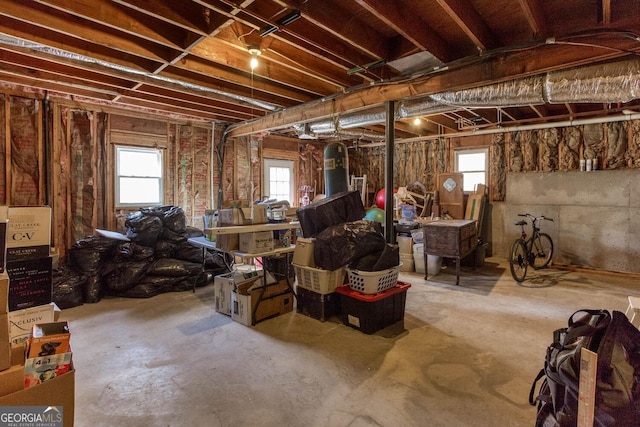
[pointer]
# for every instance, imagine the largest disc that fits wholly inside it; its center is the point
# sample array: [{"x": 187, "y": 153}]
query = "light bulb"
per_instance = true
[
  {"x": 253, "y": 63},
  {"x": 417, "y": 121}
]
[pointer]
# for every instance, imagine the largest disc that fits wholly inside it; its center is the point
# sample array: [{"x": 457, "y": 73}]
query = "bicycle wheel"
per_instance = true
[
  {"x": 518, "y": 261},
  {"x": 541, "y": 251}
]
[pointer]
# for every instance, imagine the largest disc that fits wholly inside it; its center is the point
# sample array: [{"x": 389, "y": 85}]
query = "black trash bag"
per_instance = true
[
  {"x": 68, "y": 287},
  {"x": 172, "y": 236},
  {"x": 143, "y": 229},
  {"x": 187, "y": 284},
  {"x": 188, "y": 252},
  {"x": 221, "y": 262},
  {"x": 131, "y": 251},
  {"x": 144, "y": 290},
  {"x": 341, "y": 244},
  {"x": 330, "y": 211},
  {"x": 122, "y": 252},
  {"x": 172, "y": 217},
  {"x": 93, "y": 289},
  {"x": 193, "y": 232},
  {"x": 174, "y": 268},
  {"x": 383, "y": 260},
  {"x": 142, "y": 253},
  {"x": 87, "y": 255},
  {"x": 126, "y": 275},
  {"x": 165, "y": 249}
]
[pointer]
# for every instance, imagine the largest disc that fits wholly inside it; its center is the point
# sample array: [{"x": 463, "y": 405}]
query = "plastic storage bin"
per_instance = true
[
  {"x": 434, "y": 261},
  {"x": 407, "y": 262},
  {"x": 317, "y": 306},
  {"x": 370, "y": 313},
  {"x": 372, "y": 282},
  {"x": 318, "y": 280}
]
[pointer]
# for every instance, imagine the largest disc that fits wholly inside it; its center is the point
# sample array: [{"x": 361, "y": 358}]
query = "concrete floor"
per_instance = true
[{"x": 465, "y": 356}]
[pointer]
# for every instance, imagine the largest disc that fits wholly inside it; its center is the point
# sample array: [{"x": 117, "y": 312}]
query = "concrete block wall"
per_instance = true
[{"x": 596, "y": 216}]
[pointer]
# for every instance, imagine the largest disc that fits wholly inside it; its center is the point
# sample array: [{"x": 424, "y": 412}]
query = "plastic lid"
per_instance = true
[{"x": 347, "y": 291}]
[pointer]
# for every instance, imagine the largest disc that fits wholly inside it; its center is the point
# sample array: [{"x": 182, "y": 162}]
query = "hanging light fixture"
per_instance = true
[{"x": 254, "y": 51}]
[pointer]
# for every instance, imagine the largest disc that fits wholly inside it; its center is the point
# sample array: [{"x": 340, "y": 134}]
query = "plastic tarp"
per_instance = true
[{"x": 342, "y": 244}]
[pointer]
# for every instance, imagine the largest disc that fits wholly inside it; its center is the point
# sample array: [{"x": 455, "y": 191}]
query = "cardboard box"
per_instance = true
[
  {"x": 30, "y": 283},
  {"x": 255, "y": 215},
  {"x": 57, "y": 393},
  {"x": 38, "y": 370},
  {"x": 48, "y": 339},
  {"x": 224, "y": 284},
  {"x": 257, "y": 242},
  {"x": 243, "y": 306},
  {"x": 11, "y": 380},
  {"x": 231, "y": 216},
  {"x": 303, "y": 253},
  {"x": 5, "y": 346},
  {"x": 4, "y": 292},
  {"x": 3, "y": 244},
  {"x": 21, "y": 321},
  {"x": 28, "y": 232},
  {"x": 227, "y": 242}
]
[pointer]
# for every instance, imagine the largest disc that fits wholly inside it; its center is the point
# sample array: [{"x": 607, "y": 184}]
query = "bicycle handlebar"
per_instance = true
[{"x": 536, "y": 218}]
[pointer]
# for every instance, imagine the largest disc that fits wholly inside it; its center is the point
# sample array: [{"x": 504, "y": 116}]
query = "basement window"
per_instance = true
[
  {"x": 278, "y": 180},
  {"x": 473, "y": 164},
  {"x": 138, "y": 176}
]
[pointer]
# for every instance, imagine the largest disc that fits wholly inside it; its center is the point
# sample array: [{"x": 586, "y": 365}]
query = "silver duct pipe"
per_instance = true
[
  {"x": 14, "y": 41},
  {"x": 608, "y": 83},
  {"x": 515, "y": 93}
]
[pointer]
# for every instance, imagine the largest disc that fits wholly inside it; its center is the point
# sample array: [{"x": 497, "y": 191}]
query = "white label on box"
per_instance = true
[
  {"x": 22, "y": 321},
  {"x": 29, "y": 226}
]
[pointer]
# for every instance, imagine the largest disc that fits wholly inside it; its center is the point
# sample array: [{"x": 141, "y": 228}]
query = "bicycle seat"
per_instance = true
[{"x": 522, "y": 222}]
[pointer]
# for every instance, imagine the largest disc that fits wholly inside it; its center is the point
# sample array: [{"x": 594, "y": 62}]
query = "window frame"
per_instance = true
[
  {"x": 279, "y": 163},
  {"x": 124, "y": 147},
  {"x": 485, "y": 151}
]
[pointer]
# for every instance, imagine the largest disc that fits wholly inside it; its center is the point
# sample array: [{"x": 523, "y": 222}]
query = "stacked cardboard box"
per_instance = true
[
  {"x": 5, "y": 347},
  {"x": 42, "y": 382},
  {"x": 28, "y": 261}
]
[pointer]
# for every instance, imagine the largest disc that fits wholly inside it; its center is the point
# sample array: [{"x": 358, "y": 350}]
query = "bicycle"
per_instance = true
[{"x": 535, "y": 251}]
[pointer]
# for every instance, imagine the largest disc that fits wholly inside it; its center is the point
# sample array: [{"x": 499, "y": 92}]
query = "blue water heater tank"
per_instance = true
[{"x": 336, "y": 168}]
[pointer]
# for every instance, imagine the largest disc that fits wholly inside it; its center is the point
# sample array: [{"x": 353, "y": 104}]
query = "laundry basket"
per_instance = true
[{"x": 372, "y": 282}]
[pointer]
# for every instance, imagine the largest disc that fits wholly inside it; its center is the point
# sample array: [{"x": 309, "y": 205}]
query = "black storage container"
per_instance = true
[
  {"x": 370, "y": 313},
  {"x": 317, "y": 306},
  {"x": 333, "y": 210}
]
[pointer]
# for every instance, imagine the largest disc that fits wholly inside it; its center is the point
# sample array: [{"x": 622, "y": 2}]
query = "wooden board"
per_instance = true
[
  {"x": 475, "y": 210},
  {"x": 587, "y": 387},
  {"x": 449, "y": 186}
]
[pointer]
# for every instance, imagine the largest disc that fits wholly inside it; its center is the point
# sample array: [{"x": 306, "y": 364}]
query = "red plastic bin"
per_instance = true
[{"x": 370, "y": 313}]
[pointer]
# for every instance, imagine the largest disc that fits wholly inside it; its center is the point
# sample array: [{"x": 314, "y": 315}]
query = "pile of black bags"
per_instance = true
[
  {"x": 343, "y": 237},
  {"x": 157, "y": 259}
]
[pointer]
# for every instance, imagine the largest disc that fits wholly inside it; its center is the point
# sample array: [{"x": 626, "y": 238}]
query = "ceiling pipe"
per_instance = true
[
  {"x": 518, "y": 128},
  {"x": 605, "y": 83}
]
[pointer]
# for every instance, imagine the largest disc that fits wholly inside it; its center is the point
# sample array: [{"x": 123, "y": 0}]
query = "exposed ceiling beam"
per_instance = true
[
  {"x": 403, "y": 19},
  {"x": 470, "y": 21},
  {"x": 535, "y": 17},
  {"x": 507, "y": 67}
]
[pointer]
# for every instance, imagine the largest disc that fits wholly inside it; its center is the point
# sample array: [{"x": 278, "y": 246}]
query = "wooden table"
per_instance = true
[{"x": 453, "y": 238}]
